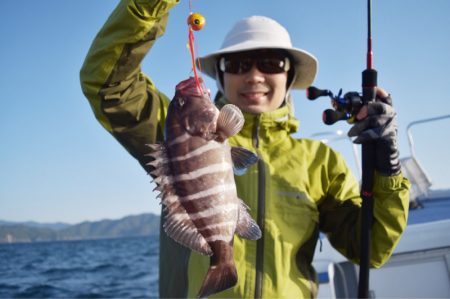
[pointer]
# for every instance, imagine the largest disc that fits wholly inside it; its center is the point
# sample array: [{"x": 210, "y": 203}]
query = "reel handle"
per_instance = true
[
  {"x": 313, "y": 93},
  {"x": 331, "y": 116}
]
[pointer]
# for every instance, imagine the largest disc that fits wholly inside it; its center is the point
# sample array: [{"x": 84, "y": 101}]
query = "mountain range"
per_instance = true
[{"x": 130, "y": 226}]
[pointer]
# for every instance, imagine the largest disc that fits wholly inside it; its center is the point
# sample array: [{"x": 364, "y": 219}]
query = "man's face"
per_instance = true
[{"x": 255, "y": 81}]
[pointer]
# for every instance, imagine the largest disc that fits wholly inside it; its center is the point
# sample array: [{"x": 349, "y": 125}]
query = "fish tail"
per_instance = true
[{"x": 218, "y": 278}]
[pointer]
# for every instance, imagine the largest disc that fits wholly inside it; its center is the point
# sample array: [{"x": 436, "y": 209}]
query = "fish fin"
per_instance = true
[
  {"x": 179, "y": 226},
  {"x": 219, "y": 278},
  {"x": 247, "y": 227},
  {"x": 159, "y": 163},
  {"x": 154, "y": 146},
  {"x": 230, "y": 121},
  {"x": 242, "y": 159},
  {"x": 158, "y": 167},
  {"x": 177, "y": 223}
]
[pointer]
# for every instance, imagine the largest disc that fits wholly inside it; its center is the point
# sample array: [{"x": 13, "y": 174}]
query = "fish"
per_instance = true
[{"x": 193, "y": 170}]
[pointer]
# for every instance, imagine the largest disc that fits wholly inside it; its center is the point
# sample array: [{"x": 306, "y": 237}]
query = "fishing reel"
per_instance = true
[{"x": 345, "y": 107}]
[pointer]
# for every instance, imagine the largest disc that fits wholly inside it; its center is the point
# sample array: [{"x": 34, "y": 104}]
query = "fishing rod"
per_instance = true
[
  {"x": 369, "y": 83},
  {"x": 346, "y": 107}
]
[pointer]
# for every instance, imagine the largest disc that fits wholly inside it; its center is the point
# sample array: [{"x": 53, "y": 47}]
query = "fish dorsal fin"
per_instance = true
[
  {"x": 230, "y": 121},
  {"x": 160, "y": 160},
  {"x": 242, "y": 159},
  {"x": 177, "y": 223},
  {"x": 247, "y": 227}
]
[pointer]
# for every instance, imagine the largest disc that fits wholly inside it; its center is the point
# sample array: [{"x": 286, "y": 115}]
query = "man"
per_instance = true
[{"x": 298, "y": 188}]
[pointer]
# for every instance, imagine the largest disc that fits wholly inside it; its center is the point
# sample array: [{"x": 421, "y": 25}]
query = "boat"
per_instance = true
[{"x": 420, "y": 264}]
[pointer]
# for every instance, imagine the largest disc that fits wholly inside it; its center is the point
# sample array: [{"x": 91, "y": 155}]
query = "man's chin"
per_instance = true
[{"x": 253, "y": 109}]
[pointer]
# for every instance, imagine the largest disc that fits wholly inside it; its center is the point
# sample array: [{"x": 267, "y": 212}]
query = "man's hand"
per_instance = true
[{"x": 376, "y": 122}]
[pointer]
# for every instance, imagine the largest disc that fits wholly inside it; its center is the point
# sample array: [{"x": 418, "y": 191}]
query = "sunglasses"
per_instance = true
[{"x": 243, "y": 64}]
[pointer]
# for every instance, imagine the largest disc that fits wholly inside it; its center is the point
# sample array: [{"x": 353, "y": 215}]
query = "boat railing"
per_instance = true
[{"x": 411, "y": 166}]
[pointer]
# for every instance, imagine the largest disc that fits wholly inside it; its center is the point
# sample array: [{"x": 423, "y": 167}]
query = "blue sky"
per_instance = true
[{"x": 57, "y": 162}]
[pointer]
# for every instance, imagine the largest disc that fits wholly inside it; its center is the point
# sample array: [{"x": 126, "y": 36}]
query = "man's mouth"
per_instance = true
[{"x": 253, "y": 95}]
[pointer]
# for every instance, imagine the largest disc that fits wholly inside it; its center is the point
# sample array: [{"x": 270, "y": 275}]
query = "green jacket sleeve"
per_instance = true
[
  {"x": 340, "y": 213},
  {"x": 124, "y": 100},
  {"x": 130, "y": 107}
]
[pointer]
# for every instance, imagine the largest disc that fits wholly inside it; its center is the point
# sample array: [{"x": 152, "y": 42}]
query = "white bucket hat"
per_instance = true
[{"x": 258, "y": 32}]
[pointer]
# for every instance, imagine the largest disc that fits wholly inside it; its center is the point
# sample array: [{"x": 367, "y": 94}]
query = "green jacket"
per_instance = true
[{"x": 299, "y": 188}]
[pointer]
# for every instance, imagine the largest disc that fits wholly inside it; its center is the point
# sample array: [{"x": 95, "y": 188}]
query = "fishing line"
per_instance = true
[{"x": 195, "y": 22}]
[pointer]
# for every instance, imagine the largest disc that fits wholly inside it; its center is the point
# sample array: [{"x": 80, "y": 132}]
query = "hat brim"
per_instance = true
[{"x": 305, "y": 64}]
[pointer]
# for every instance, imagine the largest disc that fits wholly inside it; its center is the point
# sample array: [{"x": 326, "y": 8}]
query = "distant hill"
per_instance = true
[
  {"x": 139, "y": 225},
  {"x": 10, "y": 233},
  {"x": 55, "y": 225},
  {"x": 130, "y": 226}
]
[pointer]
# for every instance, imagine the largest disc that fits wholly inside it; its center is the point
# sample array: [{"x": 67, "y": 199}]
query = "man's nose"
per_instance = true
[{"x": 254, "y": 75}]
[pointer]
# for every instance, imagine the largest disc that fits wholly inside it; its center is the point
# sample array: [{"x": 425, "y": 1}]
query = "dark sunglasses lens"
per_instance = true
[
  {"x": 273, "y": 65},
  {"x": 237, "y": 65},
  {"x": 241, "y": 65}
]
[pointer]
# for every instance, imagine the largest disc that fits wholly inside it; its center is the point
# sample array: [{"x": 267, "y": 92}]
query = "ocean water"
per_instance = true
[{"x": 112, "y": 268}]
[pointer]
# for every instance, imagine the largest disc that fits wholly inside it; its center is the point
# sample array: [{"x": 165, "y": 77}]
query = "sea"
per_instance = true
[{"x": 106, "y": 268}]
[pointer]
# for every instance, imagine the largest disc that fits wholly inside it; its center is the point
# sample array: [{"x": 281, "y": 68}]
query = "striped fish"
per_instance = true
[{"x": 193, "y": 170}]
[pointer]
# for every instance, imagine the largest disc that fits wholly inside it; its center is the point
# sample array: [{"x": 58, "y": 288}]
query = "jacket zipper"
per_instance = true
[{"x": 260, "y": 211}]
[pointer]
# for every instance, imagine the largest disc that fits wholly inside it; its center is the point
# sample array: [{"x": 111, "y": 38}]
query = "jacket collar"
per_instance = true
[{"x": 281, "y": 119}]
